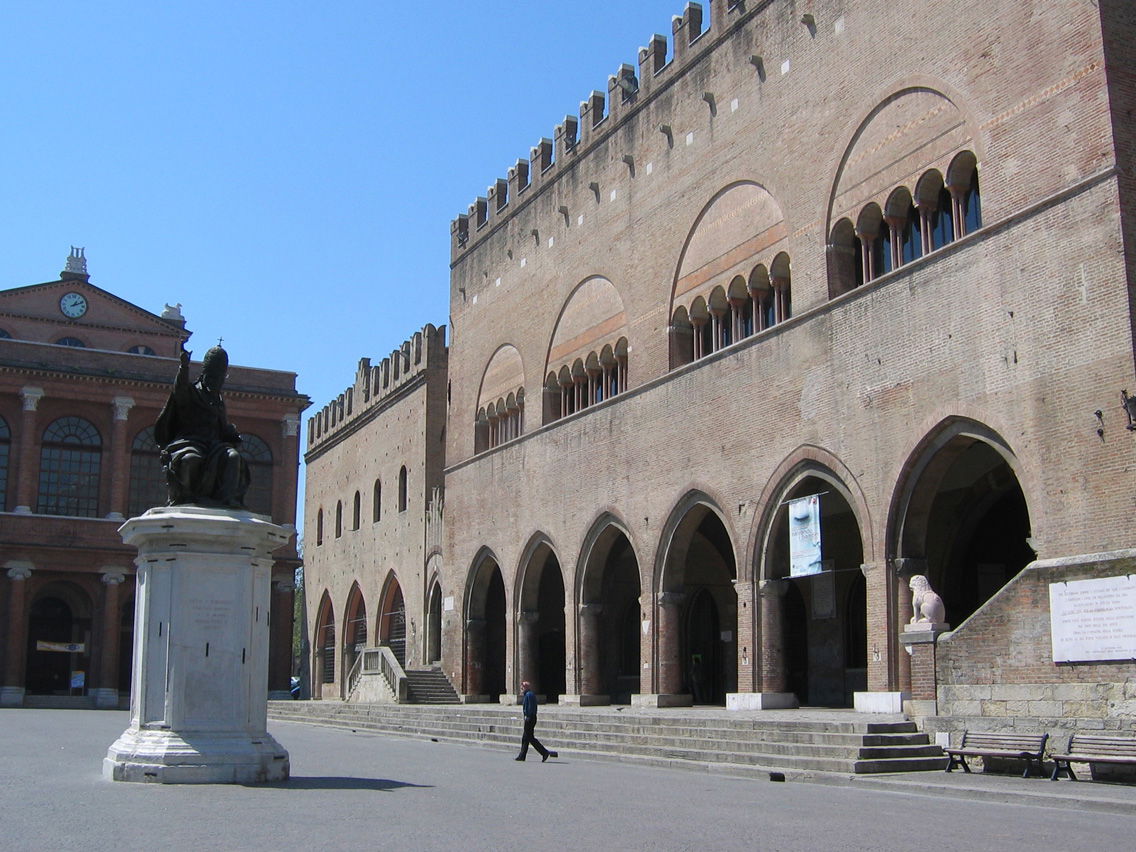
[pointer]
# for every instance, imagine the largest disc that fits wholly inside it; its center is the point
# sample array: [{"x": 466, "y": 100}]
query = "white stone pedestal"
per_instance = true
[
  {"x": 761, "y": 701},
  {"x": 199, "y": 696}
]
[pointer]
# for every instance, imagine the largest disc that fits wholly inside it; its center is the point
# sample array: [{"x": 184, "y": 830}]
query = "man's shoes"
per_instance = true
[
  {"x": 547, "y": 755},
  {"x": 518, "y": 758}
]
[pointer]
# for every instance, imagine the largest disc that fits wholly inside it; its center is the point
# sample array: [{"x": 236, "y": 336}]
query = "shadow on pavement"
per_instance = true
[{"x": 335, "y": 782}]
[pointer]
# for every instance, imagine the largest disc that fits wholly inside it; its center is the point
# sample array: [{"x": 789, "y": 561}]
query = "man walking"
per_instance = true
[{"x": 528, "y": 707}]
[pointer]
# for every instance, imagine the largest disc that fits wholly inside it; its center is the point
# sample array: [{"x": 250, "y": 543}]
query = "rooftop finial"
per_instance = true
[{"x": 76, "y": 265}]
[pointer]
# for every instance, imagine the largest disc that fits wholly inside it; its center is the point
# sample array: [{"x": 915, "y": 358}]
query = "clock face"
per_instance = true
[{"x": 73, "y": 305}]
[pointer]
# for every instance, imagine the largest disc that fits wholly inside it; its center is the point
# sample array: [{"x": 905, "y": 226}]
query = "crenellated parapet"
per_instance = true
[
  {"x": 376, "y": 384},
  {"x": 692, "y": 34}
]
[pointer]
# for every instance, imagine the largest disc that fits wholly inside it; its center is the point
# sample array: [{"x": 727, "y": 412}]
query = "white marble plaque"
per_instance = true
[{"x": 1093, "y": 619}]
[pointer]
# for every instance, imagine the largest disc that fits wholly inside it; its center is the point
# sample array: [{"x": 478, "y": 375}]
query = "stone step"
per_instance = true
[
  {"x": 804, "y": 746},
  {"x": 361, "y": 714}
]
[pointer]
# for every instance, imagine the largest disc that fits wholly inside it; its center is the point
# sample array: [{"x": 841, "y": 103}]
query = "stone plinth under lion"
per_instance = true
[{"x": 198, "y": 702}]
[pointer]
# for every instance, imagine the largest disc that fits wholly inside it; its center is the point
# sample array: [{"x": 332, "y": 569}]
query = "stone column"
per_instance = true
[
  {"x": 474, "y": 657},
  {"x": 591, "y": 676},
  {"x": 12, "y": 691},
  {"x": 747, "y": 670},
  {"x": 905, "y": 568},
  {"x": 26, "y": 451},
  {"x": 527, "y": 648},
  {"x": 771, "y": 593},
  {"x": 283, "y": 504},
  {"x": 670, "y": 662},
  {"x": 280, "y": 640},
  {"x": 119, "y": 462},
  {"x": 106, "y": 693}
]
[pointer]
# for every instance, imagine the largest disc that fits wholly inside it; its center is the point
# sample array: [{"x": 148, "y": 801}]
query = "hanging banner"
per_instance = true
[
  {"x": 65, "y": 647},
  {"x": 804, "y": 536}
]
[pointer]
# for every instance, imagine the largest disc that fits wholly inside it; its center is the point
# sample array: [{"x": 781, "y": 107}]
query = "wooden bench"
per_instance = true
[
  {"x": 1094, "y": 748},
  {"x": 1027, "y": 747}
]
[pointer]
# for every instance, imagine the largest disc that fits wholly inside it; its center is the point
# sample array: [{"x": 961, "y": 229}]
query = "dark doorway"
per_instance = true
[
  {"x": 53, "y": 626},
  {"x": 494, "y": 663},
  {"x": 704, "y": 663}
]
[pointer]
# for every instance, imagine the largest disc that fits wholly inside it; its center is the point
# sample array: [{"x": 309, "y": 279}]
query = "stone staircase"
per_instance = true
[
  {"x": 843, "y": 743},
  {"x": 430, "y": 686}
]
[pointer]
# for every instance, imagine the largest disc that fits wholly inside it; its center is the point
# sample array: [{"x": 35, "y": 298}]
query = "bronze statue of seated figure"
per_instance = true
[{"x": 198, "y": 443}]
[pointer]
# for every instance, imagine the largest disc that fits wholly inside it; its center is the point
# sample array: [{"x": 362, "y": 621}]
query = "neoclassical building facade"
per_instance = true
[
  {"x": 83, "y": 376},
  {"x": 879, "y": 253}
]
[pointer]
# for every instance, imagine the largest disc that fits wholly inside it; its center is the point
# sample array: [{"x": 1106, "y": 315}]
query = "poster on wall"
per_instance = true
[
  {"x": 1093, "y": 619},
  {"x": 804, "y": 536}
]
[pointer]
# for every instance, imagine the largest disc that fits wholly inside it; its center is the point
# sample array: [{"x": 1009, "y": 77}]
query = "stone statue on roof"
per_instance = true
[{"x": 199, "y": 445}]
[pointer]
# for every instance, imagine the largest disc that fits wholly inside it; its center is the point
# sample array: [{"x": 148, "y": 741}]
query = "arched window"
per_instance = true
[
  {"x": 319, "y": 527},
  {"x": 355, "y": 511},
  {"x": 377, "y": 502},
  {"x": 962, "y": 181},
  {"x": 258, "y": 457},
  {"x": 71, "y": 341},
  {"x": 69, "y": 467},
  {"x": 781, "y": 278},
  {"x": 147, "y": 481},
  {"x": 141, "y": 349},
  {"x": 845, "y": 266},
  {"x": 338, "y": 518},
  {"x": 4, "y": 335},
  {"x": 402, "y": 489},
  {"x": 5, "y": 447}
]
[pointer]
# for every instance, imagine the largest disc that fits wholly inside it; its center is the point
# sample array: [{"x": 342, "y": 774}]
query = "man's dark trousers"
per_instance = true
[{"x": 530, "y": 737}]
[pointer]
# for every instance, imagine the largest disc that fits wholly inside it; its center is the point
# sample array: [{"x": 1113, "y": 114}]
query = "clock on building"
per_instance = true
[{"x": 73, "y": 305}]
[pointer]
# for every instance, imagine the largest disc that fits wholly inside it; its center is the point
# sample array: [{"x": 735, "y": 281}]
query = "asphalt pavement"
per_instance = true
[{"x": 368, "y": 791}]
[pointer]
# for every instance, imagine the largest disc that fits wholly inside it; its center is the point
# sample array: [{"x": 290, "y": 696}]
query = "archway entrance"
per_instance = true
[
  {"x": 485, "y": 632},
  {"x": 965, "y": 524},
  {"x": 540, "y": 627},
  {"x": 354, "y": 632},
  {"x": 823, "y": 615},
  {"x": 323, "y": 647},
  {"x": 609, "y": 618},
  {"x": 392, "y": 620},
  {"x": 698, "y": 583},
  {"x": 59, "y": 638},
  {"x": 434, "y": 626}
]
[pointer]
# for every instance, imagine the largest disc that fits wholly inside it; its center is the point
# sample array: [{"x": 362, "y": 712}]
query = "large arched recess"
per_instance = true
[
  {"x": 485, "y": 628},
  {"x": 323, "y": 646},
  {"x": 391, "y": 621},
  {"x": 609, "y": 614},
  {"x": 540, "y": 619},
  {"x": 354, "y": 631},
  {"x": 937, "y": 124},
  {"x": 959, "y": 515},
  {"x": 697, "y": 570},
  {"x": 60, "y": 612},
  {"x": 821, "y": 642}
]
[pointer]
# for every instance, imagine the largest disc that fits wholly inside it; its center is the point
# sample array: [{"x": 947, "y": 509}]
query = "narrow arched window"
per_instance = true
[
  {"x": 258, "y": 456},
  {"x": 338, "y": 518},
  {"x": 377, "y": 503},
  {"x": 972, "y": 205},
  {"x": 5, "y": 447},
  {"x": 319, "y": 527},
  {"x": 355, "y": 511},
  {"x": 402, "y": 489},
  {"x": 69, "y": 466},
  {"x": 147, "y": 481}
]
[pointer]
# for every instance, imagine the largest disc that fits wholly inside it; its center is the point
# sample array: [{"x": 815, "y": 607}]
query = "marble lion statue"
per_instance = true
[{"x": 925, "y": 602}]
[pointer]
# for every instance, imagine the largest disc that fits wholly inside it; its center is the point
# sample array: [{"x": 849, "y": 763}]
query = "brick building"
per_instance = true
[
  {"x": 879, "y": 252},
  {"x": 83, "y": 376}
]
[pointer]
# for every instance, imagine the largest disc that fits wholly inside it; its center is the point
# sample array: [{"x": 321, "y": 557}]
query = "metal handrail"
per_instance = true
[{"x": 354, "y": 675}]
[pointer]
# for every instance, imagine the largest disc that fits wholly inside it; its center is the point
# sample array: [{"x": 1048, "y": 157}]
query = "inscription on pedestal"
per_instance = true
[{"x": 210, "y": 613}]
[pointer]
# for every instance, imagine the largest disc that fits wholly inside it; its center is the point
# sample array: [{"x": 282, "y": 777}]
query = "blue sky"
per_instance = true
[{"x": 286, "y": 171}]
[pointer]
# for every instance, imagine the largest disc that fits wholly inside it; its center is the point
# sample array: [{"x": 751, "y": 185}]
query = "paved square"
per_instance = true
[{"x": 362, "y": 791}]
